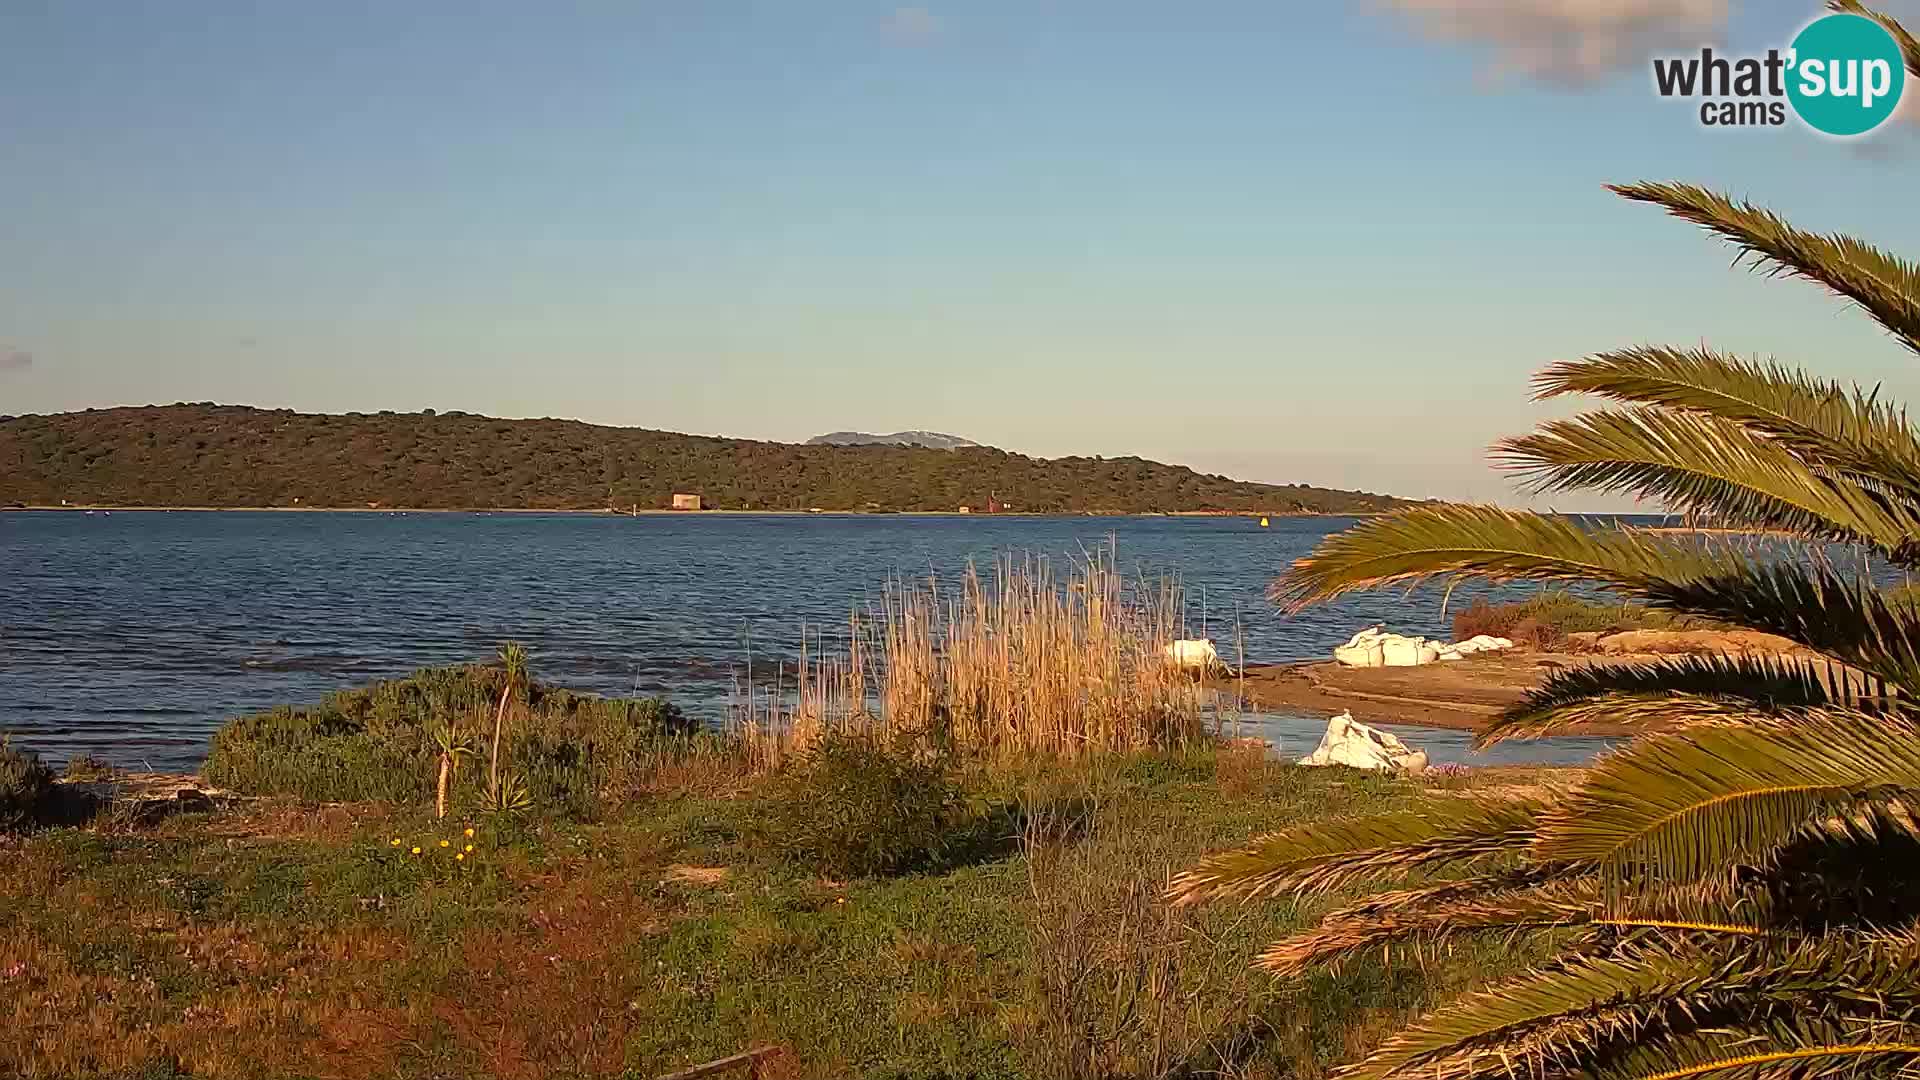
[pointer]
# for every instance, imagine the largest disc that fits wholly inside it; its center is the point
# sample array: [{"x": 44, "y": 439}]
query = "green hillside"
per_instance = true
[{"x": 230, "y": 455}]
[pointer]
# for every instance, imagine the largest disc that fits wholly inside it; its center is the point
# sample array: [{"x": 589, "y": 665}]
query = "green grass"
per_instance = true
[{"x": 291, "y": 939}]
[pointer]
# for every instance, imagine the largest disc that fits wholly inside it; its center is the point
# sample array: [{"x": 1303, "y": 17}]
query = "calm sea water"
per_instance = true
[{"x": 135, "y": 634}]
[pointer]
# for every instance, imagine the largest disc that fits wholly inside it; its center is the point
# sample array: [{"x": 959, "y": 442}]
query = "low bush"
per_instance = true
[
  {"x": 853, "y": 807},
  {"x": 26, "y": 788},
  {"x": 87, "y": 767},
  {"x": 377, "y": 742}
]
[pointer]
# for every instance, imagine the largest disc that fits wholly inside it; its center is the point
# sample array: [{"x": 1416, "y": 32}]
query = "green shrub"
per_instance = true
[
  {"x": 852, "y": 807},
  {"x": 26, "y": 788},
  {"x": 376, "y": 742}
]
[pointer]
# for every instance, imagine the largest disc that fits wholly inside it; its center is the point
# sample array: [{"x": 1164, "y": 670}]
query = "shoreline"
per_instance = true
[
  {"x": 1457, "y": 696},
  {"x": 95, "y": 508}
]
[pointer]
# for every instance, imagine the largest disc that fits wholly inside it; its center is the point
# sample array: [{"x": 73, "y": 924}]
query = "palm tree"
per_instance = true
[
  {"x": 513, "y": 658},
  {"x": 1737, "y": 888}
]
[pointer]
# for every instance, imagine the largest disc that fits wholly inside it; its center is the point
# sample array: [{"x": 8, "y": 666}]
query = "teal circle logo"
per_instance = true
[{"x": 1845, "y": 75}]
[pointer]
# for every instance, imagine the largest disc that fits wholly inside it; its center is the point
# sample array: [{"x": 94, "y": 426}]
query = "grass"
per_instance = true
[
  {"x": 1027, "y": 662},
  {"x": 1545, "y": 619},
  {"x": 295, "y": 939}
]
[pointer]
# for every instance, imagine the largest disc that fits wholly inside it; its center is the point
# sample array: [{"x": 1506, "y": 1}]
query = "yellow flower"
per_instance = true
[
  {"x": 443, "y": 843},
  {"x": 416, "y": 849},
  {"x": 396, "y": 841},
  {"x": 462, "y": 857},
  {"x": 469, "y": 847},
  {"x": 469, "y": 831}
]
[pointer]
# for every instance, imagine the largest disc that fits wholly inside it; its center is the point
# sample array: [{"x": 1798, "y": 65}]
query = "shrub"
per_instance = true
[
  {"x": 377, "y": 742},
  {"x": 854, "y": 807},
  {"x": 26, "y": 788},
  {"x": 86, "y": 767}
]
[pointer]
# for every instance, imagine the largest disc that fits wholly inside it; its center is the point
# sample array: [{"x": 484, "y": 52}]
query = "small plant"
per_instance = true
[
  {"x": 506, "y": 795},
  {"x": 854, "y": 807},
  {"x": 453, "y": 745},
  {"x": 86, "y": 767},
  {"x": 26, "y": 786}
]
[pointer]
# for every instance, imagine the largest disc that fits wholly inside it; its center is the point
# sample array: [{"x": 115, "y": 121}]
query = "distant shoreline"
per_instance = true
[{"x": 656, "y": 512}]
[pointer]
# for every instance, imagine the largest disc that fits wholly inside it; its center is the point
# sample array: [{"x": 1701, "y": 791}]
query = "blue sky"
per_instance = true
[{"x": 1289, "y": 242}]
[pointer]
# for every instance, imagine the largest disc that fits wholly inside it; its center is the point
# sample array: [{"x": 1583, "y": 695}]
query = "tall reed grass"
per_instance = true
[{"x": 1025, "y": 661}]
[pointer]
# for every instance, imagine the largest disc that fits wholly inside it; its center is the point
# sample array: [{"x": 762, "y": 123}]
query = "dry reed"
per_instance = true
[{"x": 1023, "y": 663}]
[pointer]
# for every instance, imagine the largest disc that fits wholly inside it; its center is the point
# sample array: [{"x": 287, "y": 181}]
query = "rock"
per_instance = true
[
  {"x": 1697, "y": 642},
  {"x": 1355, "y": 745},
  {"x": 193, "y": 801}
]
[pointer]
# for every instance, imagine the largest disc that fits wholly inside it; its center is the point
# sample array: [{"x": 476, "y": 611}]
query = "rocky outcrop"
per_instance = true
[{"x": 1355, "y": 745}]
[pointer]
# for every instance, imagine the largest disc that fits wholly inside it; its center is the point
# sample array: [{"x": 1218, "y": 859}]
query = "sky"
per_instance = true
[{"x": 1322, "y": 243}]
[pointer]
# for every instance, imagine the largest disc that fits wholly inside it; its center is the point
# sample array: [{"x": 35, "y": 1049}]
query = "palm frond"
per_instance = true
[
  {"x": 1690, "y": 804},
  {"x": 1801, "y": 599},
  {"x": 1783, "y": 1049},
  {"x": 1830, "y": 426},
  {"x": 1808, "y": 602},
  {"x": 1909, "y": 47},
  {"x": 1497, "y": 544},
  {"x": 1578, "y": 1015},
  {"x": 1436, "y": 913},
  {"x": 1695, "y": 461},
  {"x": 1541, "y": 1018},
  {"x": 1682, "y": 689},
  {"x": 1884, "y": 285},
  {"x": 1331, "y": 854}
]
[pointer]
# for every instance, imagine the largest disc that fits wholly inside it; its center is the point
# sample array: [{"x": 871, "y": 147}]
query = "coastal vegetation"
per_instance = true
[
  {"x": 1039, "y": 659},
  {"x": 944, "y": 861},
  {"x": 999, "y": 922},
  {"x": 1546, "y": 619},
  {"x": 1733, "y": 893},
  {"x": 231, "y": 455}
]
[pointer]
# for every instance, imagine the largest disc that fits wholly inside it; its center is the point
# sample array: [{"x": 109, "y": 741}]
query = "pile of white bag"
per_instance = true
[
  {"x": 1355, "y": 745},
  {"x": 1374, "y": 647}
]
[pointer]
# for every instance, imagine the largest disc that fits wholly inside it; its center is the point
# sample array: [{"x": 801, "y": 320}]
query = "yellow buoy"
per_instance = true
[{"x": 1263, "y": 523}]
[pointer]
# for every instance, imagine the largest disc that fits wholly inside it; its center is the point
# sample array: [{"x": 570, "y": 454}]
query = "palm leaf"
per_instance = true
[
  {"x": 1541, "y": 1018},
  {"x": 1433, "y": 914},
  {"x": 1810, "y": 603},
  {"x": 1679, "y": 690},
  {"x": 1803, "y": 600},
  {"x": 1784, "y": 1049},
  {"x": 1701, "y": 462},
  {"x": 1332, "y": 854},
  {"x": 1500, "y": 545},
  {"x": 1885, "y": 286},
  {"x": 1687, "y": 805},
  {"x": 1828, "y": 425},
  {"x": 1909, "y": 47},
  {"x": 1576, "y": 1016}
]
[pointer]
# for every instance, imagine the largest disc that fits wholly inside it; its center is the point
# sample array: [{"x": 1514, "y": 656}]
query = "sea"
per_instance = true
[{"x": 133, "y": 635}]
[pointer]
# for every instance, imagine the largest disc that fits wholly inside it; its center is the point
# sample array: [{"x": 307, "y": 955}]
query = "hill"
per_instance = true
[
  {"x": 932, "y": 440},
  {"x": 232, "y": 455}
]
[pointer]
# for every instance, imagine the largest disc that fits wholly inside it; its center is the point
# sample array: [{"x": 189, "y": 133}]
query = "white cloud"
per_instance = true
[
  {"x": 12, "y": 359},
  {"x": 913, "y": 24},
  {"x": 1567, "y": 41}
]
